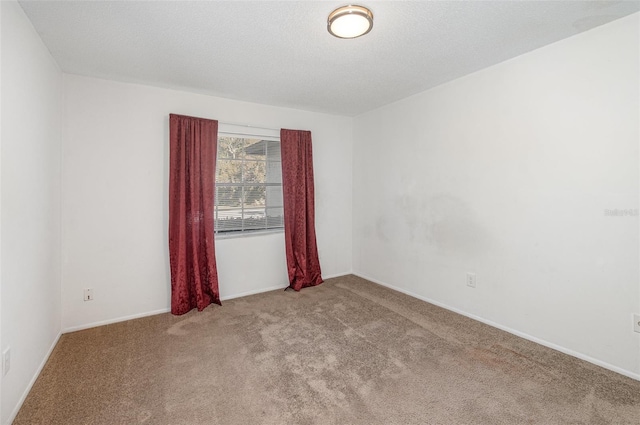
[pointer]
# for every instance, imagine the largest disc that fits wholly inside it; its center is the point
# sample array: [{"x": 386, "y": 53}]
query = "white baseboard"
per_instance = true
[
  {"x": 274, "y": 288},
  {"x": 33, "y": 380},
  {"x": 115, "y": 320},
  {"x": 556, "y": 347},
  {"x": 331, "y": 276},
  {"x": 255, "y": 291},
  {"x": 166, "y": 310}
]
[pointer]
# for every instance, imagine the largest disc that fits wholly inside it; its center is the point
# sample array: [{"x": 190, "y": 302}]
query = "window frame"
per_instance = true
[{"x": 245, "y": 133}]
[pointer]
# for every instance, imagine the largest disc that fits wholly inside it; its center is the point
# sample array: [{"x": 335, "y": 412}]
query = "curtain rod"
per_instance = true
[{"x": 249, "y": 126}]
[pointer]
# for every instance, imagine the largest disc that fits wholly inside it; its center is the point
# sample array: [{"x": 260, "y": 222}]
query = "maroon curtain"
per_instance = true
[
  {"x": 299, "y": 213},
  {"x": 192, "y": 166}
]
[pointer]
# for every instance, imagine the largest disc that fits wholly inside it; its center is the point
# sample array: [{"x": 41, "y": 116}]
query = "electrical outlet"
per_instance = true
[
  {"x": 6, "y": 361},
  {"x": 88, "y": 294},
  {"x": 636, "y": 323},
  {"x": 471, "y": 280}
]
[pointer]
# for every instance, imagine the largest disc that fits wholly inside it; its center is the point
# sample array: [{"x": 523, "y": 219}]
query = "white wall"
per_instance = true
[
  {"x": 1, "y": 345},
  {"x": 30, "y": 193},
  {"x": 115, "y": 180},
  {"x": 506, "y": 173}
]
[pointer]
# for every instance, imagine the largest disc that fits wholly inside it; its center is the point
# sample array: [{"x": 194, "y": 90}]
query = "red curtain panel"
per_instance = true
[
  {"x": 192, "y": 166},
  {"x": 299, "y": 214}
]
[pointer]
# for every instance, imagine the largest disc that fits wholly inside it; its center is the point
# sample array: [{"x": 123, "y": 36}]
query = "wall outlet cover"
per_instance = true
[
  {"x": 471, "y": 280},
  {"x": 636, "y": 323},
  {"x": 88, "y": 294}
]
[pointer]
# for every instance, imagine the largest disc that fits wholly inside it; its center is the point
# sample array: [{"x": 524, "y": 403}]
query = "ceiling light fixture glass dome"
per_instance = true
[{"x": 350, "y": 21}]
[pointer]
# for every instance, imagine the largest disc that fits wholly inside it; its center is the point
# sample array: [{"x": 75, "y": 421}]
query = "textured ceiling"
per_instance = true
[{"x": 280, "y": 53}]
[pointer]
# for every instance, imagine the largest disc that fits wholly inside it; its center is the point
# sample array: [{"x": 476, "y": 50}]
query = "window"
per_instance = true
[{"x": 248, "y": 185}]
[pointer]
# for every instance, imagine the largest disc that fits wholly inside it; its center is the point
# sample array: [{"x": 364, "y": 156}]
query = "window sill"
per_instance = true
[{"x": 247, "y": 234}]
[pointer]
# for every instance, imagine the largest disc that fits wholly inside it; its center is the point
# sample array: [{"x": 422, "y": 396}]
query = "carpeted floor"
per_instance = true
[{"x": 345, "y": 352}]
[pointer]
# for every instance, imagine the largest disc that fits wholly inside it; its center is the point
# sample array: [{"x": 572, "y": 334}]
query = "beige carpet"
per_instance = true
[{"x": 345, "y": 352}]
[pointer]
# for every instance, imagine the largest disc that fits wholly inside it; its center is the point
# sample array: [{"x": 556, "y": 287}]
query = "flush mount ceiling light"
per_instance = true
[{"x": 350, "y": 21}]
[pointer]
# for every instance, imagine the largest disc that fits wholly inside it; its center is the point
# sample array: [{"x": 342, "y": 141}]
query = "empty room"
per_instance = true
[{"x": 317, "y": 212}]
